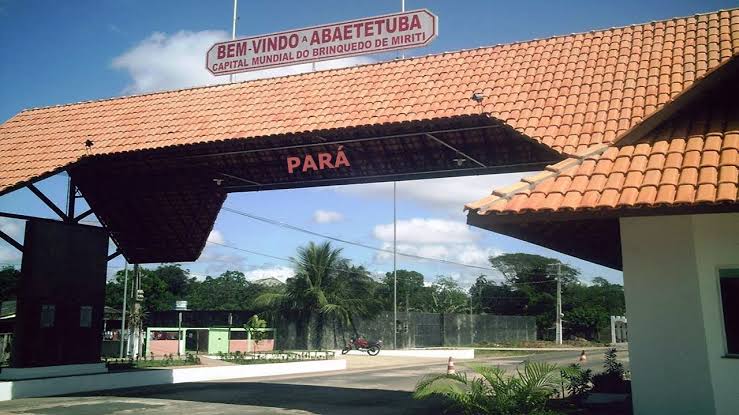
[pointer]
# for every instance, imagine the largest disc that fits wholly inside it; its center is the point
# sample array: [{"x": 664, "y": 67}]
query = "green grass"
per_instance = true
[
  {"x": 542, "y": 344},
  {"x": 145, "y": 364},
  {"x": 483, "y": 353}
]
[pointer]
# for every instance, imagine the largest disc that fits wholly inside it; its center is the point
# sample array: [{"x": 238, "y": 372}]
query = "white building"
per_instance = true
[{"x": 659, "y": 202}]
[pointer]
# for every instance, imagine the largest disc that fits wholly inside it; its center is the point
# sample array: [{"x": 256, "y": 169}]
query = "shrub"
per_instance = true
[
  {"x": 577, "y": 379},
  {"x": 612, "y": 380},
  {"x": 493, "y": 392}
]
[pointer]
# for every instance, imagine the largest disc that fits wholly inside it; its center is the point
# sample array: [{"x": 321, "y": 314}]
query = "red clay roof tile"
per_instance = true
[
  {"x": 727, "y": 192},
  {"x": 693, "y": 172},
  {"x": 600, "y": 83}
]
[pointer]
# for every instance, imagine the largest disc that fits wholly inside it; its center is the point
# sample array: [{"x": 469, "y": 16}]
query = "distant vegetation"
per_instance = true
[{"x": 328, "y": 284}]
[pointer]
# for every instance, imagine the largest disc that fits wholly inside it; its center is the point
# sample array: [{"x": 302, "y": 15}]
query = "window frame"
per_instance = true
[{"x": 725, "y": 341}]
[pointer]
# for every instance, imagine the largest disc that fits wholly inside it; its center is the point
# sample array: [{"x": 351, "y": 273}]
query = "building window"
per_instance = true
[
  {"x": 164, "y": 335},
  {"x": 47, "y": 315},
  {"x": 729, "y": 282},
  {"x": 86, "y": 316},
  {"x": 238, "y": 335}
]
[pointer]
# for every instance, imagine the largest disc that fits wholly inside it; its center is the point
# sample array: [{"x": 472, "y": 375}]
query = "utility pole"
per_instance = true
[
  {"x": 137, "y": 310},
  {"x": 395, "y": 270},
  {"x": 559, "y": 303},
  {"x": 123, "y": 317}
]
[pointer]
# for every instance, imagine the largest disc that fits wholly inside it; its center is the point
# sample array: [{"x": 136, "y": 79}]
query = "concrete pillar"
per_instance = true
[{"x": 667, "y": 346}]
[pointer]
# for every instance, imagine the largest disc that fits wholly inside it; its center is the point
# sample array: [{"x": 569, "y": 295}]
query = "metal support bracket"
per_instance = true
[
  {"x": 7, "y": 238},
  {"x": 444, "y": 143},
  {"x": 47, "y": 201},
  {"x": 241, "y": 179},
  {"x": 71, "y": 200},
  {"x": 114, "y": 255},
  {"x": 82, "y": 215}
]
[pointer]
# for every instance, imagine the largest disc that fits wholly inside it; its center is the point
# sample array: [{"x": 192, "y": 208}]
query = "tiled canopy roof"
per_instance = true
[
  {"x": 569, "y": 93},
  {"x": 690, "y": 159}
]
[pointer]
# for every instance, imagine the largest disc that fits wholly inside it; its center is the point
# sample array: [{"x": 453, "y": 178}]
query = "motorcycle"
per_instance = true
[{"x": 372, "y": 347}]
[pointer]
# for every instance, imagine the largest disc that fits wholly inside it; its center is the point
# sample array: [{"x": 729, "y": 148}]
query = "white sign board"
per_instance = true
[{"x": 338, "y": 40}]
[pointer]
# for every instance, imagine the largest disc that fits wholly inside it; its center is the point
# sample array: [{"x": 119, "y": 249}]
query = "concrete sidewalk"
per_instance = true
[{"x": 549, "y": 349}]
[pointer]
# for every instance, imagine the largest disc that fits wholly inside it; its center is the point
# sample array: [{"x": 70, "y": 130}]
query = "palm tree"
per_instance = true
[{"x": 325, "y": 284}]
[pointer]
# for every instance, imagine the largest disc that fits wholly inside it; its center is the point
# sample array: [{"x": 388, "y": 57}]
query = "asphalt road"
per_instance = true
[{"x": 368, "y": 387}]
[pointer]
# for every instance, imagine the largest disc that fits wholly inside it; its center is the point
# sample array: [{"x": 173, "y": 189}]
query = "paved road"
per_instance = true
[{"x": 379, "y": 386}]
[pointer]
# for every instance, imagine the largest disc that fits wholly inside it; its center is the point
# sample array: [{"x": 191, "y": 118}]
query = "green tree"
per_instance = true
[
  {"x": 587, "y": 308},
  {"x": 229, "y": 291},
  {"x": 530, "y": 279},
  {"x": 325, "y": 284},
  {"x": 448, "y": 297},
  {"x": 490, "y": 297},
  {"x": 162, "y": 287},
  {"x": 412, "y": 295},
  {"x": 255, "y": 327},
  {"x": 533, "y": 276},
  {"x": 9, "y": 279}
]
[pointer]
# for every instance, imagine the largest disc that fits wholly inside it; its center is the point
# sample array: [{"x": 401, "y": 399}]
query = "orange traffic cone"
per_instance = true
[
  {"x": 583, "y": 358},
  {"x": 450, "y": 367}
]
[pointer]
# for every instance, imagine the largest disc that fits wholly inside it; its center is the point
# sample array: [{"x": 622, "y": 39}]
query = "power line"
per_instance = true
[
  {"x": 359, "y": 244},
  {"x": 292, "y": 261}
]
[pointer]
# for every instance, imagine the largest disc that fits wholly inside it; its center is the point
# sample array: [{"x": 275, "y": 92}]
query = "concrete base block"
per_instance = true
[
  {"x": 14, "y": 373},
  {"x": 427, "y": 353},
  {"x": 137, "y": 378}
]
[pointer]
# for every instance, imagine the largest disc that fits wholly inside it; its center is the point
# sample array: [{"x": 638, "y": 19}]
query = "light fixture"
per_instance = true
[{"x": 459, "y": 162}]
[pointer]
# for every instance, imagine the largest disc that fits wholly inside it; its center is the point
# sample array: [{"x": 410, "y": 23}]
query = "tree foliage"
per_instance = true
[
  {"x": 255, "y": 327},
  {"x": 325, "y": 284},
  {"x": 229, "y": 291},
  {"x": 9, "y": 278},
  {"x": 168, "y": 283},
  {"x": 448, "y": 297},
  {"x": 530, "y": 287}
]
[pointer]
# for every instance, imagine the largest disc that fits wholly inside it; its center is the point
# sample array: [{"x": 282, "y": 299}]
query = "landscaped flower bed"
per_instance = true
[
  {"x": 275, "y": 357},
  {"x": 166, "y": 361}
]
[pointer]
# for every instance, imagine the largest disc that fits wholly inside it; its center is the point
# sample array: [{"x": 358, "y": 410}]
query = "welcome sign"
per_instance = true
[{"x": 338, "y": 40}]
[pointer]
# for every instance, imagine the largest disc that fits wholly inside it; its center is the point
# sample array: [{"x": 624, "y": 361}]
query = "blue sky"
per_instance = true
[{"x": 61, "y": 52}]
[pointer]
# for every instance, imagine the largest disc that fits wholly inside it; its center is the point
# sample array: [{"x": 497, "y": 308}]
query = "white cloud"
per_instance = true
[
  {"x": 426, "y": 231},
  {"x": 450, "y": 193},
  {"x": 327, "y": 216},
  {"x": 14, "y": 229},
  {"x": 468, "y": 254},
  {"x": 216, "y": 236},
  {"x": 170, "y": 61},
  {"x": 477, "y": 255},
  {"x": 281, "y": 273},
  {"x": 217, "y": 262},
  {"x": 441, "y": 239}
]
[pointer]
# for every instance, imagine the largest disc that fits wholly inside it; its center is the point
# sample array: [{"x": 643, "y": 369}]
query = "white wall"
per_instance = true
[
  {"x": 136, "y": 378},
  {"x": 717, "y": 245},
  {"x": 675, "y": 329}
]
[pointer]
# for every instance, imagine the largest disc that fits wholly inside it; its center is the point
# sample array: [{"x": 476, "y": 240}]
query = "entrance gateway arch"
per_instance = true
[{"x": 156, "y": 168}]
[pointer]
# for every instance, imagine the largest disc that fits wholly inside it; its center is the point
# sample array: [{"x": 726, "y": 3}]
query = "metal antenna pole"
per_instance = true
[
  {"x": 123, "y": 318},
  {"x": 233, "y": 33},
  {"x": 395, "y": 270},
  {"x": 402, "y": 9}
]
